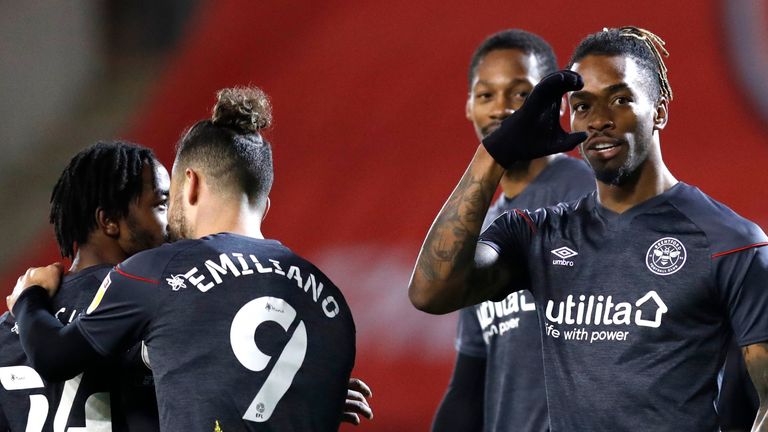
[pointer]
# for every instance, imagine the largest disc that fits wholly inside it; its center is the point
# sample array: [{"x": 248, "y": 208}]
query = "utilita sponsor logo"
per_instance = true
[
  {"x": 563, "y": 253},
  {"x": 601, "y": 310}
]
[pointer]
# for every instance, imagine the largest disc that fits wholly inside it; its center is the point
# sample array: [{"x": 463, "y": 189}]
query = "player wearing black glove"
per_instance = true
[
  {"x": 451, "y": 261},
  {"x": 534, "y": 130}
]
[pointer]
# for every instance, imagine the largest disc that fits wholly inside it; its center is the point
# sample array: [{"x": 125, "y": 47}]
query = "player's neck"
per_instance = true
[
  {"x": 517, "y": 179},
  {"x": 653, "y": 179},
  {"x": 234, "y": 217},
  {"x": 89, "y": 255}
]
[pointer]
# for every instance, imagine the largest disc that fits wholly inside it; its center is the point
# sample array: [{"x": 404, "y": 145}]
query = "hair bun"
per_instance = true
[{"x": 246, "y": 109}]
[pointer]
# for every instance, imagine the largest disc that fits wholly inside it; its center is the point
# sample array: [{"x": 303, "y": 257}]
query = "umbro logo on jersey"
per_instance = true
[
  {"x": 665, "y": 256},
  {"x": 563, "y": 253}
]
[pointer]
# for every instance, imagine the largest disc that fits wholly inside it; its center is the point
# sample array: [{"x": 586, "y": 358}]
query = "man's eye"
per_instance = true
[
  {"x": 622, "y": 100},
  {"x": 521, "y": 95},
  {"x": 580, "y": 107},
  {"x": 484, "y": 96}
]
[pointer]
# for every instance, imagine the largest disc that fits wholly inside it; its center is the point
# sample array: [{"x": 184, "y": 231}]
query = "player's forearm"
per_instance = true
[
  {"x": 439, "y": 283},
  {"x": 56, "y": 352},
  {"x": 462, "y": 406},
  {"x": 756, "y": 359}
]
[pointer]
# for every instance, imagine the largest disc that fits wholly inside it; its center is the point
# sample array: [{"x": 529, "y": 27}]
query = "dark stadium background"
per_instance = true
[{"x": 369, "y": 133}]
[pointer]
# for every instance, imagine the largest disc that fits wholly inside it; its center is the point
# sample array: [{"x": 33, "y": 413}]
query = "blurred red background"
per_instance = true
[{"x": 369, "y": 139}]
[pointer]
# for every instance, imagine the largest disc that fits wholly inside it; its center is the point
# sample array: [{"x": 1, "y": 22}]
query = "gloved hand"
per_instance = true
[{"x": 534, "y": 130}]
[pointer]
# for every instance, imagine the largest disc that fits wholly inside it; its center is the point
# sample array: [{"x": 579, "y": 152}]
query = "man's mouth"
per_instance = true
[
  {"x": 603, "y": 147},
  {"x": 489, "y": 129}
]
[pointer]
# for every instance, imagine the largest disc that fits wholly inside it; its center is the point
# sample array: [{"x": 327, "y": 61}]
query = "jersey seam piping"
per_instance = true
[
  {"x": 739, "y": 249},
  {"x": 712, "y": 275}
]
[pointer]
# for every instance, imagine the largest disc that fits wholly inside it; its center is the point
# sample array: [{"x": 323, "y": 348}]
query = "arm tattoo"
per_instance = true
[
  {"x": 450, "y": 244},
  {"x": 756, "y": 358}
]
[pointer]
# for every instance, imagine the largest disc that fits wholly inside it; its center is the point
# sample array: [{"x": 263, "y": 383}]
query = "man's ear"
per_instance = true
[
  {"x": 468, "y": 107},
  {"x": 107, "y": 224},
  {"x": 266, "y": 209},
  {"x": 661, "y": 116},
  {"x": 191, "y": 186}
]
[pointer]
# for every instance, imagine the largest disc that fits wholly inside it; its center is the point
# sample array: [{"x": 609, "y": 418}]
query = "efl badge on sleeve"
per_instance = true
[{"x": 99, "y": 295}]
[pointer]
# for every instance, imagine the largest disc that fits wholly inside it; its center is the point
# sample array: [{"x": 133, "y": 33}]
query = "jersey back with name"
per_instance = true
[
  {"x": 637, "y": 309},
  {"x": 242, "y": 334},
  {"x": 101, "y": 398}
]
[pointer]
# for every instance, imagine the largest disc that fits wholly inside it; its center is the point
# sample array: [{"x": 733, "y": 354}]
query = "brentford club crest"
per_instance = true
[{"x": 665, "y": 256}]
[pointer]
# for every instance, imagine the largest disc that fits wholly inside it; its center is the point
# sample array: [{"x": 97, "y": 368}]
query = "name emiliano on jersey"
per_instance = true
[{"x": 226, "y": 266}]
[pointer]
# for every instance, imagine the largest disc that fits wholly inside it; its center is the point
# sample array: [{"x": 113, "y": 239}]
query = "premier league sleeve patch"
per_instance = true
[{"x": 666, "y": 256}]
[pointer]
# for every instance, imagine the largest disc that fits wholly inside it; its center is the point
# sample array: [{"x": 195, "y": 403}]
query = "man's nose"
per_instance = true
[{"x": 600, "y": 120}]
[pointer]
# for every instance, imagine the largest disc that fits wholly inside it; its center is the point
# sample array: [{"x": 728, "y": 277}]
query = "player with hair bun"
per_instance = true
[{"x": 241, "y": 333}]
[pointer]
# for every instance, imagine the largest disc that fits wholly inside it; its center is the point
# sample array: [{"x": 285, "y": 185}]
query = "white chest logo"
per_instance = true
[{"x": 666, "y": 256}]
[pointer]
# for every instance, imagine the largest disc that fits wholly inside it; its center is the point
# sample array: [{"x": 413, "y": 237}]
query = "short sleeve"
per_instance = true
[
  {"x": 742, "y": 277},
  {"x": 510, "y": 233},
  {"x": 469, "y": 334},
  {"x": 120, "y": 312}
]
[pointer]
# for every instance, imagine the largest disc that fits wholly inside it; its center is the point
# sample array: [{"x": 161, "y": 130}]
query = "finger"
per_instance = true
[
  {"x": 552, "y": 88},
  {"x": 9, "y": 304},
  {"x": 359, "y": 385},
  {"x": 358, "y": 408},
  {"x": 572, "y": 80},
  {"x": 572, "y": 140},
  {"x": 350, "y": 418},
  {"x": 355, "y": 395}
]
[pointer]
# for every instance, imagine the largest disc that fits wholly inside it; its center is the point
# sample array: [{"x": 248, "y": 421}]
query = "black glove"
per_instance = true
[{"x": 534, "y": 130}]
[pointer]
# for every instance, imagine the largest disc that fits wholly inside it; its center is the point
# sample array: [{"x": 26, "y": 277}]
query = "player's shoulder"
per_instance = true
[
  {"x": 571, "y": 178},
  {"x": 572, "y": 165},
  {"x": 724, "y": 228},
  {"x": 73, "y": 284},
  {"x": 9, "y": 340},
  {"x": 571, "y": 172},
  {"x": 7, "y": 324},
  {"x": 151, "y": 263},
  {"x": 565, "y": 210}
]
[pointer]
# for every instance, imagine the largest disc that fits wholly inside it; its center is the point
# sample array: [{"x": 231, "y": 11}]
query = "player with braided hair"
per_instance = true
[
  {"x": 241, "y": 333},
  {"x": 109, "y": 203},
  {"x": 107, "y": 177},
  {"x": 639, "y": 286}
]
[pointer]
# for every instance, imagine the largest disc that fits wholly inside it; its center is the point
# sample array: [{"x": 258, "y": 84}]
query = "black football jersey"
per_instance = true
[
  {"x": 638, "y": 309},
  {"x": 102, "y": 398},
  {"x": 242, "y": 334},
  {"x": 506, "y": 333}
]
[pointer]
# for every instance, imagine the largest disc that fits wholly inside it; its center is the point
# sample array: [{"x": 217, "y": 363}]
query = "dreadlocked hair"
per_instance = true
[
  {"x": 644, "y": 46},
  {"x": 229, "y": 146},
  {"x": 107, "y": 176}
]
